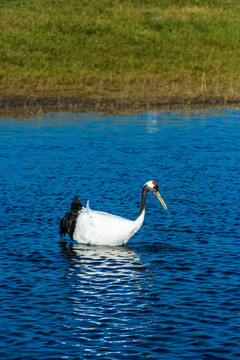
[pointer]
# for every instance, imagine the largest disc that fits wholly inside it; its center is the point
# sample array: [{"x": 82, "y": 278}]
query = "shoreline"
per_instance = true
[
  {"x": 118, "y": 56},
  {"x": 37, "y": 105}
]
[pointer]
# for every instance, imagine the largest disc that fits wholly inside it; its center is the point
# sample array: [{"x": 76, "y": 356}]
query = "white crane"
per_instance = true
[{"x": 92, "y": 227}]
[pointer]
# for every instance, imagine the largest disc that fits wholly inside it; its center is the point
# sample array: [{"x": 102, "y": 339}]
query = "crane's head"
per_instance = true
[{"x": 153, "y": 187}]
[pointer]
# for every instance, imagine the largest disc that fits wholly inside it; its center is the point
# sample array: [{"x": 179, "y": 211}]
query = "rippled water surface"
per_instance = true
[{"x": 173, "y": 292}]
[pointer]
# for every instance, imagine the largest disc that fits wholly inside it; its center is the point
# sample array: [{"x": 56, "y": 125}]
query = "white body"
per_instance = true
[{"x": 100, "y": 228}]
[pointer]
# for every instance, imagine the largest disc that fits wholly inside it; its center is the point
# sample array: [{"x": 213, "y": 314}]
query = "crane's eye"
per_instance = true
[{"x": 155, "y": 186}]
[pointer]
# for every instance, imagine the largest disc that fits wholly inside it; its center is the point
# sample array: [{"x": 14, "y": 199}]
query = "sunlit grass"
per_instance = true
[{"x": 146, "y": 50}]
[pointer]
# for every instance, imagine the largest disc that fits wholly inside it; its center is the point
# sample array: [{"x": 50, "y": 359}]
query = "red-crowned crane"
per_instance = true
[{"x": 92, "y": 227}]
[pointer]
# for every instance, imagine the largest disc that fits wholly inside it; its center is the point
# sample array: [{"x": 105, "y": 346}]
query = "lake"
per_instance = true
[{"x": 173, "y": 292}]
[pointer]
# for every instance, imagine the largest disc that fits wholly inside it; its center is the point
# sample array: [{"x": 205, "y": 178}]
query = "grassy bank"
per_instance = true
[{"x": 146, "y": 51}]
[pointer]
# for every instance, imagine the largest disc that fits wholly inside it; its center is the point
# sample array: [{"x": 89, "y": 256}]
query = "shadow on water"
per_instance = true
[{"x": 122, "y": 256}]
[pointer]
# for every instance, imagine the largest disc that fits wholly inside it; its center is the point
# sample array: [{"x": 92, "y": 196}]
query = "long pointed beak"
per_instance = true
[{"x": 161, "y": 200}]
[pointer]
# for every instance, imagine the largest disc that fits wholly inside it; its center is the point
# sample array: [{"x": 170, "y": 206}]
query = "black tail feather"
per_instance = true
[
  {"x": 68, "y": 222},
  {"x": 76, "y": 205}
]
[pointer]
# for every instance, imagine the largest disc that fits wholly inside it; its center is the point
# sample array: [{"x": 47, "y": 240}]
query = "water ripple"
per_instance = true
[{"x": 173, "y": 292}]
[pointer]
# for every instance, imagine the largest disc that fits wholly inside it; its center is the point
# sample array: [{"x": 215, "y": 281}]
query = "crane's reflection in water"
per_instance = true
[{"x": 109, "y": 285}]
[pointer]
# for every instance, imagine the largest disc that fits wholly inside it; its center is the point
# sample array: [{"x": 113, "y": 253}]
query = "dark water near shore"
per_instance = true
[{"x": 174, "y": 291}]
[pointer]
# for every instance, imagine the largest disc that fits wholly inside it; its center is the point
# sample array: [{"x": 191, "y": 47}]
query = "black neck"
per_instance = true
[{"x": 143, "y": 200}]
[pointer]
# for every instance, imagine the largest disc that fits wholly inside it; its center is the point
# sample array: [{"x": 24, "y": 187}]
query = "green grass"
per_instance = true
[{"x": 145, "y": 51}]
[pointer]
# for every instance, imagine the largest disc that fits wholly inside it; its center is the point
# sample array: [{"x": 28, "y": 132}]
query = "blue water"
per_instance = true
[{"x": 174, "y": 291}]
